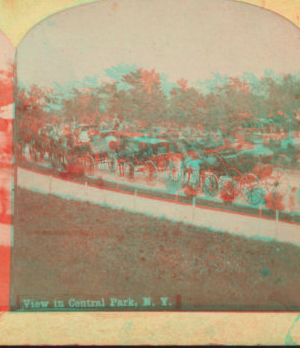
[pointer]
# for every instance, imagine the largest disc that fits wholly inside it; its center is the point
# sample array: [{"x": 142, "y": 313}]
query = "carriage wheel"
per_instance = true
[
  {"x": 277, "y": 183},
  {"x": 191, "y": 180},
  {"x": 254, "y": 195},
  {"x": 210, "y": 184},
  {"x": 112, "y": 161},
  {"x": 151, "y": 173},
  {"x": 129, "y": 171},
  {"x": 174, "y": 171},
  {"x": 86, "y": 163},
  {"x": 251, "y": 189}
]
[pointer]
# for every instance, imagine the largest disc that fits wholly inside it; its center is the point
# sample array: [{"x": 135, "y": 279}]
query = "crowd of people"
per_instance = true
[{"x": 60, "y": 129}]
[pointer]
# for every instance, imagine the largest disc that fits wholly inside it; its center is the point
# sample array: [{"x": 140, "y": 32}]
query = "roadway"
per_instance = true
[
  {"x": 165, "y": 189},
  {"x": 220, "y": 220},
  {"x": 161, "y": 191}
]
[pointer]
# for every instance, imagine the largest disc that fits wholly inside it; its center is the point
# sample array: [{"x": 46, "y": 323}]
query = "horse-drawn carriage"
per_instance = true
[
  {"x": 144, "y": 156},
  {"x": 231, "y": 170},
  {"x": 88, "y": 148}
]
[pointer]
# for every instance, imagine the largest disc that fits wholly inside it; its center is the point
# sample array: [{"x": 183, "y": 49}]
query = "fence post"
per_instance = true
[
  {"x": 277, "y": 222},
  {"x": 104, "y": 195},
  {"x": 50, "y": 184},
  {"x": 135, "y": 194},
  {"x": 85, "y": 190},
  {"x": 260, "y": 207},
  {"x": 194, "y": 207},
  {"x": 176, "y": 200},
  {"x": 259, "y": 220}
]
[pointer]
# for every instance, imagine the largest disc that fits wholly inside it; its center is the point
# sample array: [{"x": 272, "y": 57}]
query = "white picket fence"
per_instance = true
[{"x": 216, "y": 220}]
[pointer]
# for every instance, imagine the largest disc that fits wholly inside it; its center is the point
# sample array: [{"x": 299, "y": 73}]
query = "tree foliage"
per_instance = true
[{"x": 138, "y": 94}]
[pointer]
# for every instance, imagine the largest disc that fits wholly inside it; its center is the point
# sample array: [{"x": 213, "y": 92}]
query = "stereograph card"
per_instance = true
[{"x": 155, "y": 159}]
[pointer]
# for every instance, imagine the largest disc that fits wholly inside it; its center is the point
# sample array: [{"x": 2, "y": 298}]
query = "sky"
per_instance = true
[{"x": 188, "y": 39}]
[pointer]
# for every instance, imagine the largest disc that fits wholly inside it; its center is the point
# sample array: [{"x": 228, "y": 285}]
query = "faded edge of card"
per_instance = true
[{"x": 150, "y": 328}]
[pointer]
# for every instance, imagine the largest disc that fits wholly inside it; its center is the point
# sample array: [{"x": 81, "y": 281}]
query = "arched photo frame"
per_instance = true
[{"x": 265, "y": 272}]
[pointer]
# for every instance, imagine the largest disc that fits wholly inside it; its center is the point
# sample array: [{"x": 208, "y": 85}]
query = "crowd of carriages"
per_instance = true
[
  {"x": 283, "y": 140},
  {"x": 189, "y": 157}
]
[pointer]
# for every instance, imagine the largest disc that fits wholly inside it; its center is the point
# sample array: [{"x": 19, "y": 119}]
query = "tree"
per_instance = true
[
  {"x": 145, "y": 98},
  {"x": 82, "y": 102},
  {"x": 186, "y": 105},
  {"x": 30, "y": 103}
]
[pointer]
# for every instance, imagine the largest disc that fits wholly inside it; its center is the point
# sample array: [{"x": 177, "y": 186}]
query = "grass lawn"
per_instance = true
[{"x": 64, "y": 248}]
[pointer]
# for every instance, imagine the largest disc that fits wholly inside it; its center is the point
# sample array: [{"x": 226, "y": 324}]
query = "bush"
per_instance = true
[{"x": 274, "y": 201}]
